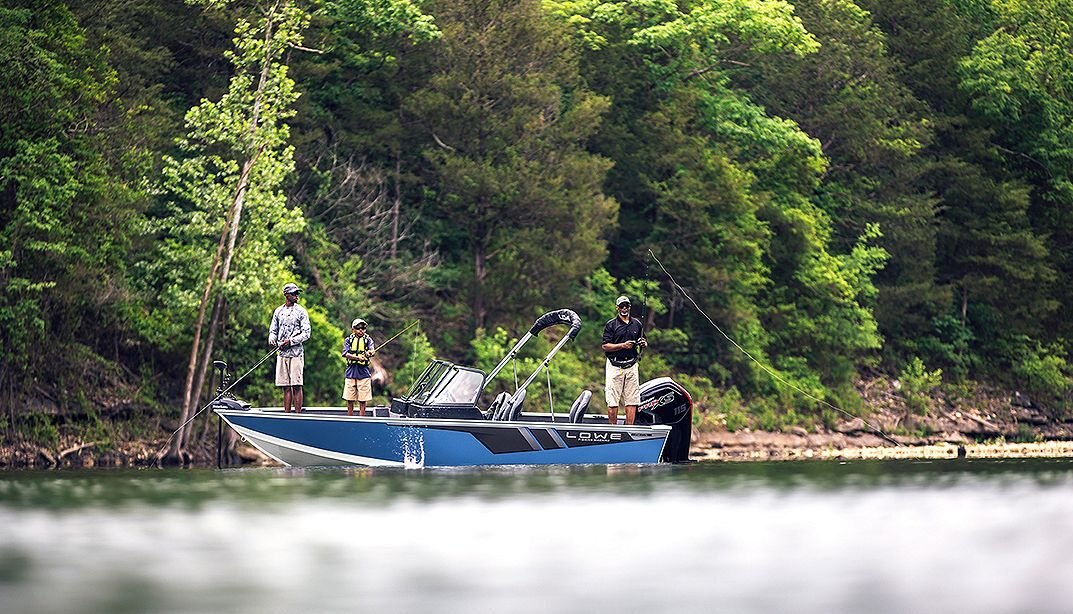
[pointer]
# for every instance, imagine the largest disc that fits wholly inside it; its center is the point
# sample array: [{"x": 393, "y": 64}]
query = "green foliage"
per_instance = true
[
  {"x": 950, "y": 345},
  {"x": 66, "y": 211},
  {"x": 1025, "y": 434},
  {"x": 1043, "y": 370},
  {"x": 1019, "y": 78},
  {"x": 918, "y": 384},
  {"x": 506, "y": 120},
  {"x": 244, "y": 134},
  {"x": 37, "y": 427},
  {"x": 325, "y": 366},
  {"x": 418, "y": 352}
]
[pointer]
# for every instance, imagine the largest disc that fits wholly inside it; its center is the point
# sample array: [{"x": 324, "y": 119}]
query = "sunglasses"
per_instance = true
[{"x": 624, "y": 306}]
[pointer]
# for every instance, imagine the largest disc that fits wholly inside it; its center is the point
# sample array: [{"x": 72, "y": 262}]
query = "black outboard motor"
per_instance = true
[
  {"x": 226, "y": 400},
  {"x": 664, "y": 401}
]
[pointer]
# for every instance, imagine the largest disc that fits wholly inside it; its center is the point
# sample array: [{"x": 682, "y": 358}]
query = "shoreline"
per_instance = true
[
  {"x": 738, "y": 447},
  {"x": 1012, "y": 451}
]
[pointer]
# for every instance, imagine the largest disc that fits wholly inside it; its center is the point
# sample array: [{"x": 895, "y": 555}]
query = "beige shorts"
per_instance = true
[
  {"x": 621, "y": 387},
  {"x": 358, "y": 389},
  {"x": 289, "y": 370}
]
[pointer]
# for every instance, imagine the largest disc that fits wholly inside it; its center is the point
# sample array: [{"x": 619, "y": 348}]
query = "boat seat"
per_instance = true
[
  {"x": 581, "y": 404},
  {"x": 497, "y": 404},
  {"x": 512, "y": 409}
]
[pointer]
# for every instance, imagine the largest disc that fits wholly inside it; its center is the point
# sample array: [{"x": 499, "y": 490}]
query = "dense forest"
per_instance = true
[{"x": 795, "y": 196}]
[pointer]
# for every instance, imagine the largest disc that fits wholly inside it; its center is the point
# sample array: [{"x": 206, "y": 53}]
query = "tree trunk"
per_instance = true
[
  {"x": 174, "y": 453},
  {"x": 397, "y": 205},
  {"x": 221, "y": 268},
  {"x": 479, "y": 274},
  {"x": 964, "y": 305}
]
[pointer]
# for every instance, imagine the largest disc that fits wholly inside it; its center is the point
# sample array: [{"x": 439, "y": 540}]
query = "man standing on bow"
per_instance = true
[
  {"x": 289, "y": 330},
  {"x": 623, "y": 335}
]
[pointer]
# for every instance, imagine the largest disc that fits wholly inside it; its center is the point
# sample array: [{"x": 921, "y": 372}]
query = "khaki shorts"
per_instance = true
[
  {"x": 358, "y": 389},
  {"x": 289, "y": 370},
  {"x": 621, "y": 387}
]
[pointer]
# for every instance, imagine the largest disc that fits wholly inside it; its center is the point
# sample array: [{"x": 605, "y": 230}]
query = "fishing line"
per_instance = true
[
  {"x": 770, "y": 371},
  {"x": 218, "y": 397}
]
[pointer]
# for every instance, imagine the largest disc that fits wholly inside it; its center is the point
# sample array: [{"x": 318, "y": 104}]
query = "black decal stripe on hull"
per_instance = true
[
  {"x": 545, "y": 439},
  {"x": 497, "y": 440}
]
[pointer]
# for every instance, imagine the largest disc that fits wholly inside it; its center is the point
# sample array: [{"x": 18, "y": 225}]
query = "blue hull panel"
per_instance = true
[{"x": 307, "y": 439}]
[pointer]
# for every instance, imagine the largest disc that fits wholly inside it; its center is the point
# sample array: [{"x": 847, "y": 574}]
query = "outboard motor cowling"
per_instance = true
[{"x": 664, "y": 401}]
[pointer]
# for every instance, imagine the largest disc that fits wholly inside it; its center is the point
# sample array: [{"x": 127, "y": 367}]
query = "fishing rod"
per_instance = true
[
  {"x": 769, "y": 370},
  {"x": 219, "y": 396},
  {"x": 644, "y": 315},
  {"x": 395, "y": 336}
]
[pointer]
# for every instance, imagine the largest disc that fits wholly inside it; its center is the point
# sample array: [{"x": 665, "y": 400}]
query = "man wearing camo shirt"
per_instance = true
[{"x": 289, "y": 330}]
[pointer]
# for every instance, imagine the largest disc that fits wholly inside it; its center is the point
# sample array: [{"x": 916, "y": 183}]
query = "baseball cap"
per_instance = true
[
  {"x": 622, "y": 300},
  {"x": 358, "y": 323},
  {"x": 291, "y": 289}
]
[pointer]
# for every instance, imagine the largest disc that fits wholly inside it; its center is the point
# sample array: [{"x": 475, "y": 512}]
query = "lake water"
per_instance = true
[{"x": 941, "y": 536}]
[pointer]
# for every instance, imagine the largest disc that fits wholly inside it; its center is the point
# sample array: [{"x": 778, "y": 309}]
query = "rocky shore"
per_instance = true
[
  {"x": 980, "y": 423},
  {"x": 762, "y": 446}
]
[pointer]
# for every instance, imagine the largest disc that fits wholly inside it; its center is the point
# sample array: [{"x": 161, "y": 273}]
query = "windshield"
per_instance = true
[{"x": 458, "y": 385}]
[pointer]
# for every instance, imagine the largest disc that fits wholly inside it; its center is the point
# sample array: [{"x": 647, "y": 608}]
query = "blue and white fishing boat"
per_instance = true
[{"x": 443, "y": 421}]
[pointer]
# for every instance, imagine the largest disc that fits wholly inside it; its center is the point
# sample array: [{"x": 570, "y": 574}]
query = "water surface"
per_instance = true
[{"x": 896, "y": 536}]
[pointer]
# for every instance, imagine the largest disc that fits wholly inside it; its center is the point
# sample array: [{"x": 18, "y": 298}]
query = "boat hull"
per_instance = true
[{"x": 322, "y": 439}]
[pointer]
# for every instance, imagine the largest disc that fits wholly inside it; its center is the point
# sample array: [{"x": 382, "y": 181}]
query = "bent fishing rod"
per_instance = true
[
  {"x": 217, "y": 398},
  {"x": 769, "y": 370},
  {"x": 395, "y": 336}
]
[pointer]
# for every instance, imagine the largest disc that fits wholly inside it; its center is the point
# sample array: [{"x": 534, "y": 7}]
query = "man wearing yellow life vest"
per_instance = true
[{"x": 358, "y": 349}]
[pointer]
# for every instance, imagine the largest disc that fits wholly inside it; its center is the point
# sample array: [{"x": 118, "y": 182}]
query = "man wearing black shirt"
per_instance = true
[{"x": 622, "y": 336}]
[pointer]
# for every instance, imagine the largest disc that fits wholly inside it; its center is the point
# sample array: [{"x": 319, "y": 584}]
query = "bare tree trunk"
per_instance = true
[
  {"x": 964, "y": 305},
  {"x": 202, "y": 366},
  {"x": 175, "y": 450},
  {"x": 396, "y": 206},
  {"x": 479, "y": 273},
  {"x": 203, "y": 363}
]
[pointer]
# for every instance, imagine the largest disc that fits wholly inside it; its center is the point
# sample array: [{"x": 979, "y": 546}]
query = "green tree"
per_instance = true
[
  {"x": 1020, "y": 79},
  {"x": 992, "y": 254},
  {"x": 848, "y": 96},
  {"x": 506, "y": 120},
  {"x": 355, "y": 161},
  {"x": 226, "y": 184},
  {"x": 709, "y": 178},
  {"x": 67, "y": 217}
]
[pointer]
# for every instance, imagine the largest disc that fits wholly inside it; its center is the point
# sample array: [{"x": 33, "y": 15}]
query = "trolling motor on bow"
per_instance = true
[{"x": 224, "y": 398}]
